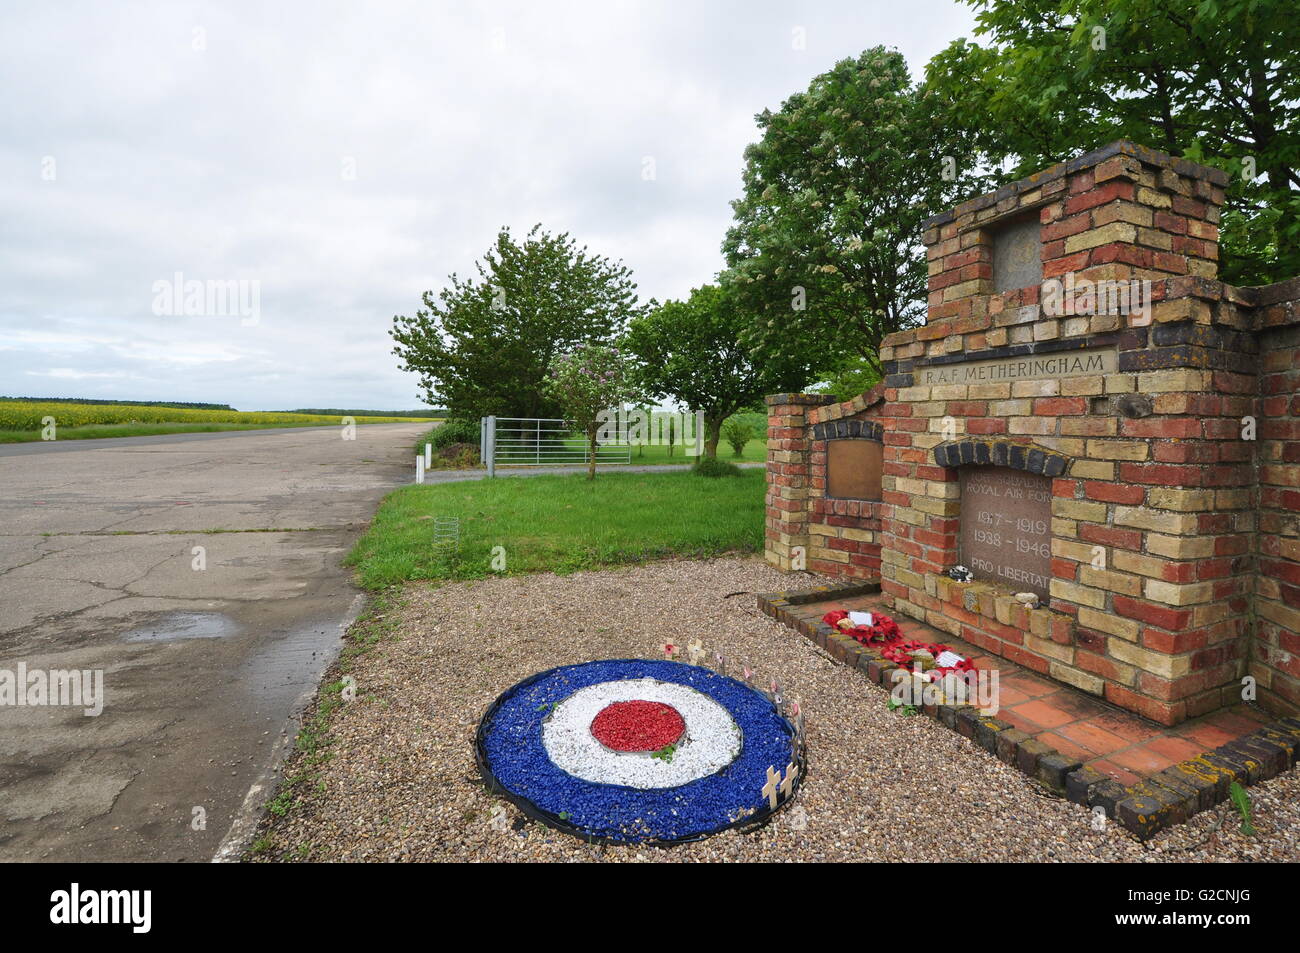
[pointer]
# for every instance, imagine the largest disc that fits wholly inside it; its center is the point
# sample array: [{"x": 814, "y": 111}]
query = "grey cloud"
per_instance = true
[{"x": 226, "y": 163}]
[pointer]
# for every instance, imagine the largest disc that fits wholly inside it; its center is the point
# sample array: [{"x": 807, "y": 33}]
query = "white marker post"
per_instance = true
[
  {"x": 419, "y": 468},
  {"x": 428, "y": 455}
]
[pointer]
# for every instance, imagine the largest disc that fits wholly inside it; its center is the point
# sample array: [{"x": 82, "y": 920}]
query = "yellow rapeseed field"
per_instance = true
[{"x": 28, "y": 415}]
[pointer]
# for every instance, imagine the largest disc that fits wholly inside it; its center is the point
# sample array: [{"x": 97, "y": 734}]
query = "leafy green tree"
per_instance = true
[
  {"x": 590, "y": 384},
  {"x": 1216, "y": 81},
  {"x": 737, "y": 433},
  {"x": 826, "y": 244},
  {"x": 691, "y": 352},
  {"x": 853, "y": 377},
  {"x": 483, "y": 344}
]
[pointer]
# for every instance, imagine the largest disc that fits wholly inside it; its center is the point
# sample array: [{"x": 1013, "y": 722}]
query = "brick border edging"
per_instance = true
[{"x": 1168, "y": 797}]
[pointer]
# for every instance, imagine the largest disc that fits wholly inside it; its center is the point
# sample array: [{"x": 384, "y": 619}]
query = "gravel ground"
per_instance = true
[{"x": 401, "y": 782}]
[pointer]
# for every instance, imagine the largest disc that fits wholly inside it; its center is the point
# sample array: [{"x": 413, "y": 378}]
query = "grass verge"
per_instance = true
[{"x": 560, "y": 524}]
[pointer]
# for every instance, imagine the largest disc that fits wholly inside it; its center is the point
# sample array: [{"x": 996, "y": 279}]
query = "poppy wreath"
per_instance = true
[
  {"x": 638, "y": 751},
  {"x": 884, "y": 635},
  {"x": 882, "y": 629}
]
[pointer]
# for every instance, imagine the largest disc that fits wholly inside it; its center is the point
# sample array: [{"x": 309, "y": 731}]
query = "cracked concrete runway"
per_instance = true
[{"x": 205, "y": 655}]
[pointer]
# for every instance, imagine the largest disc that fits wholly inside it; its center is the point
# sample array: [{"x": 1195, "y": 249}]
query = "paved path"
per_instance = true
[{"x": 202, "y": 668}]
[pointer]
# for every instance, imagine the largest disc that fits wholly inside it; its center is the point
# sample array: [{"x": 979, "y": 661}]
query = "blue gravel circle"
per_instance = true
[{"x": 514, "y": 762}]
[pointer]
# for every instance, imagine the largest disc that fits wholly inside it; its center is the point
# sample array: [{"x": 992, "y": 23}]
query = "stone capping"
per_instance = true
[
  {"x": 811, "y": 400},
  {"x": 1185, "y": 167},
  {"x": 800, "y": 597},
  {"x": 1003, "y": 453},
  {"x": 833, "y": 410},
  {"x": 1277, "y": 305},
  {"x": 849, "y": 430},
  {"x": 1277, "y": 293},
  {"x": 1166, "y": 798}
]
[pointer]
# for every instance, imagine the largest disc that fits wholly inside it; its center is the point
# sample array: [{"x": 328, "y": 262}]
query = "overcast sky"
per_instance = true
[{"x": 346, "y": 157}]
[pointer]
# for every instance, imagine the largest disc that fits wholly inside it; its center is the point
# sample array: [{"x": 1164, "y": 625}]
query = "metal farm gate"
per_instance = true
[{"x": 540, "y": 442}]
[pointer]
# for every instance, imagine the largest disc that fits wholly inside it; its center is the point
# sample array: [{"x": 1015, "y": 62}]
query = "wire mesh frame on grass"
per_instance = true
[
  {"x": 744, "y": 825},
  {"x": 446, "y": 533}
]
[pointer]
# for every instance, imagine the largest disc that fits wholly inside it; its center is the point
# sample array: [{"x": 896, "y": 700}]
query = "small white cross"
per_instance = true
[
  {"x": 722, "y": 662},
  {"x": 695, "y": 651},
  {"x": 772, "y": 786}
]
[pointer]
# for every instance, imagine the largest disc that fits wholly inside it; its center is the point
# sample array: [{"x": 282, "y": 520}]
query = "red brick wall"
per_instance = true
[
  {"x": 843, "y": 534},
  {"x": 1275, "y": 650},
  {"x": 789, "y": 446}
]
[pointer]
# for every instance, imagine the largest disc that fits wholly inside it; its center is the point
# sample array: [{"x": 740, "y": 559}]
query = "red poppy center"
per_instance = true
[{"x": 638, "y": 726}]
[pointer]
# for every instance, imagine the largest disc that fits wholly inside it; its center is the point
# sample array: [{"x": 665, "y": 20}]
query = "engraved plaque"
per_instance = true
[
  {"x": 1006, "y": 525},
  {"x": 1026, "y": 367},
  {"x": 1017, "y": 255},
  {"x": 853, "y": 468}
]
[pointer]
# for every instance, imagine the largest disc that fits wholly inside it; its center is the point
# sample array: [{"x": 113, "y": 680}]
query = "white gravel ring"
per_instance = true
[{"x": 711, "y": 741}]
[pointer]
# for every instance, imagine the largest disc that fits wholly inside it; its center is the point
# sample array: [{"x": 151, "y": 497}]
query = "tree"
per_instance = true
[
  {"x": 826, "y": 245},
  {"x": 690, "y": 352},
  {"x": 483, "y": 345},
  {"x": 856, "y": 376},
  {"x": 737, "y": 433},
  {"x": 1216, "y": 82},
  {"x": 589, "y": 384}
]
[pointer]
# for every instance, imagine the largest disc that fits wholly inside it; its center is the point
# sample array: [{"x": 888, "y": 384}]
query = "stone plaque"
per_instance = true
[
  {"x": 1017, "y": 255},
  {"x": 853, "y": 468},
  {"x": 1023, "y": 368},
  {"x": 1006, "y": 525}
]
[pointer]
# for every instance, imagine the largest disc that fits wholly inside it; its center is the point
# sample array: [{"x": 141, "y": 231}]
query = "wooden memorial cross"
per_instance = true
[
  {"x": 787, "y": 783},
  {"x": 772, "y": 786}
]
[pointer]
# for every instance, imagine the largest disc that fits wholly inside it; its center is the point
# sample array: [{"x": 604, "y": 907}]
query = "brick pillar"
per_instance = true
[{"x": 789, "y": 447}]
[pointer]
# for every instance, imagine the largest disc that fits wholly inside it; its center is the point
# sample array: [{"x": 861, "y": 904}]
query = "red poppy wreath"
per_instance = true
[{"x": 884, "y": 636}]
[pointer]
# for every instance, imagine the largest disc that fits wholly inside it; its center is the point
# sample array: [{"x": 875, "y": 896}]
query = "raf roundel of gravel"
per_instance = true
[
  {"x": 712, "y": 743},
  {"x": 401, "y": 783}
]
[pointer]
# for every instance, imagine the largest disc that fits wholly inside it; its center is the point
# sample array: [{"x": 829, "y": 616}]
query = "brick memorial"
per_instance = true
[{"x": 1087, "y": 414}]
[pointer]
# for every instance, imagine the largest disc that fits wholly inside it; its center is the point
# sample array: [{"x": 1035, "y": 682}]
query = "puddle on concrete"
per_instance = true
[
  {"x": 175, "y": 626},
  {"x": 291, "y": 662}
]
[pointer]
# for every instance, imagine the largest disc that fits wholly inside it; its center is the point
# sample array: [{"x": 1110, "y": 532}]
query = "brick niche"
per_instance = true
[{"x": 1170, "y": 442}]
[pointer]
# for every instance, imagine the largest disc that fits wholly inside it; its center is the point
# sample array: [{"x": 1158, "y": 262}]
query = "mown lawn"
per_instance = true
[{"x": 560, "y": 523}]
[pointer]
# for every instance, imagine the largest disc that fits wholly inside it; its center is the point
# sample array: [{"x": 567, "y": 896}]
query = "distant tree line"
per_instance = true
[
  {"x": 180, "y": 404},
  {"x": 346, "y": 412}
]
